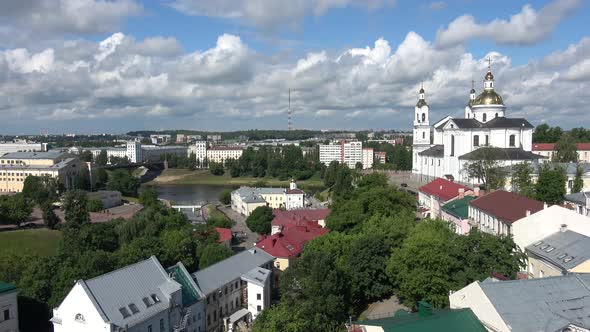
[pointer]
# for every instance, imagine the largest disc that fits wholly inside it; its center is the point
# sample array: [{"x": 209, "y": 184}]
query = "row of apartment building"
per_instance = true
[{"x": 347, "y": 153}]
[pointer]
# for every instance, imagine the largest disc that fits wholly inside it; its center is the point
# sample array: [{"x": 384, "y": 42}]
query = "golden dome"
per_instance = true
[{"x": 488, "y": 97}]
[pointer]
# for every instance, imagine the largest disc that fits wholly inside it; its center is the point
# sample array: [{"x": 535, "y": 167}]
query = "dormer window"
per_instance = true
[{"x": 80, "y": 318}]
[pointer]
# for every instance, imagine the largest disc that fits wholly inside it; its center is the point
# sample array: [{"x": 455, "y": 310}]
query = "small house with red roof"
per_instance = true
[
  {"x": 548, "y": 149},
  {"x": 288, "y": 243},
  {"x": 439, "y": 192},
  {"x": 225, "y": 236},
  {"x": 497, "y": 211},
  {"x": 303, "y": 217}
]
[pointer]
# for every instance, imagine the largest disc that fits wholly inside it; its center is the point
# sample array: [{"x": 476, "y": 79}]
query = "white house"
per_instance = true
[
  {"x": 446, "y": 147},
  {"x": 8, "y": 308},
  {"x": 539, "y": 225},
  {"x": 294, "y": 197},
  {"x": 244, "y": 200},
  {"x": 139, "y": 297},
  {"x": 580, "y": 202}
]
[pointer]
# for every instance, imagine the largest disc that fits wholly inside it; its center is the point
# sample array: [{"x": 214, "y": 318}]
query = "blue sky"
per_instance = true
[{"x": 227, "y": 64}]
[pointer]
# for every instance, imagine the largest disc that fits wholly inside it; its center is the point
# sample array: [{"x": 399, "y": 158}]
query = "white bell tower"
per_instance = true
[{"x": 421, "y": 121}]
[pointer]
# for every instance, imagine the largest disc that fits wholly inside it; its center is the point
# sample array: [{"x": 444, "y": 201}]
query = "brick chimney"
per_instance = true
[{"x": 461, "y": 193}]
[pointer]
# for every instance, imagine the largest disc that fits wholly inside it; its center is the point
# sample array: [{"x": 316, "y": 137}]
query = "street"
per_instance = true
[{"x": 246, "y": 237}]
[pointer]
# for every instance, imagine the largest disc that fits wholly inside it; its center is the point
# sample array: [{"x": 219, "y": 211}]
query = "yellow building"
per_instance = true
[
  {"x": 558, "y": 254},
  {"x": 15, "y": 167}
]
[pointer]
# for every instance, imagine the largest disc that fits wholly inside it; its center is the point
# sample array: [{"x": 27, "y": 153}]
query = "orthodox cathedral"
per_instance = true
[{"x": 445, "y": 148}]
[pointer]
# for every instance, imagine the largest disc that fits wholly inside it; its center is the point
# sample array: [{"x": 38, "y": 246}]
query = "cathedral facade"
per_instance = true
[{"x": 444, "y": 148}]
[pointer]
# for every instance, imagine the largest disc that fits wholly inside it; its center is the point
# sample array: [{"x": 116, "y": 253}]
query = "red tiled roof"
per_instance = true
[
  {"x": 299, "y": 217},
  {"x": 551, "y": 146},
  {"x": 543, "y": 146},
  {"x": 290, "y": 242},
  {"x": 506, "y": 206},
  {"x": 443, "y": 189},
  {"x": 224, "y": 234}
]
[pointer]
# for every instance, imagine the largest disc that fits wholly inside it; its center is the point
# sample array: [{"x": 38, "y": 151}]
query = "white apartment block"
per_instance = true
[
  {"x": 199, "y": 149},
  {"x": 348, "y": 153},
  {"x": 15, "y": 167},
  {"x": 160, "y": 139},
  {"x": 8, "y": 308},
  {"x": 135, "y": 152},
  {"x": 220, "y": 154},
  {"x": 21, "y": 146},
  {"x": 368, "y": 158}
]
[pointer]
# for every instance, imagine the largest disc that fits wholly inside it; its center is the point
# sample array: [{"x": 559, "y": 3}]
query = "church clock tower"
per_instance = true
[{"x": 421, "y": 134}]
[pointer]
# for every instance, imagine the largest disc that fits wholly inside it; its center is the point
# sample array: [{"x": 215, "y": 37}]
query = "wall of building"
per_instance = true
[
  {"x": 473, "y": 297},
  {"x": 281, "y": 263},
  {"x": 222, "y": 303},
  {"x": 460, "y": 226},
  {"x": 8, "y": 302},
  {"x": 258, "y": 298},
  {"x": 76, "y": 303},
  {"x": 537, "y": 268}
]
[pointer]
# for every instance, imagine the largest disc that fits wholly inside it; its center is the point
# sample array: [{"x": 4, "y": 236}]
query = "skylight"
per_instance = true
[
  {"x": 562, "y": 256},
  {"x": 155, "y": 298},
  {"x": 545, "y": 246},
  {"x": 133, "y": 308},
  {"x": 568, "y": 259},
  {"x": 538, "y": 243},
  {"x": 550, "y": 249},
  {"x": 147, "y": 302},
  {"x": 124, "y": 312}
]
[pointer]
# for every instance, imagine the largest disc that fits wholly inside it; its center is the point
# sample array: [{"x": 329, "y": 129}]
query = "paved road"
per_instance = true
[{"x": 247, "y": 237}]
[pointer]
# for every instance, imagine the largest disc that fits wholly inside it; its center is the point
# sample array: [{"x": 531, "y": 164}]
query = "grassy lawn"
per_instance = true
[
  {"x": 41, "y": 241},
  {"x": 214, "y": 213},
  {"x": 184, "y": 176}
]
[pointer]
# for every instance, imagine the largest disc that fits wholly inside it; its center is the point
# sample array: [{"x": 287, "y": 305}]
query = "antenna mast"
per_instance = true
[{"x": 289, "y": 124}]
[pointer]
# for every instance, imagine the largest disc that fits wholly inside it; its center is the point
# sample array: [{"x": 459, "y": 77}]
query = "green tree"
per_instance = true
[
  {"x": 216, "y": 168},
  {"x": 50, "y": 219},
  {"x": 102, "y": 158},
  {"x": 565, "y": 150},
  {"x": 178, "y": 245},
  {"x": 343, "y": 184},
  {"x": 358, "y": 166},
  {"x": 86, "y": 156},
  {"x": 550, "y": 186},
  {"x": 521, "y": 179},
  {"x": 95, "y": 205},
  {"x": 578, "y": 180},
  {"x": 259, "y": 221},
  {"x": 331, "y": 173},
  {"x": 102, "y": 177},
  {"x": 546, "y": 134},
  {"x": 149, "y": 197},
  {"x": 423, "y": 267},
  {"x": 75, "y": 204},
  {"x": 122, "y": 180},
  {"x": 225, "y": 197},
  {"x": 281, "y": 317},
  {"x": 485, "y": 167},
  {"x": 212, "y": 254},
  {"x": 40, "y": 189},
  {"x": 82, "y": 181},
  {"x": 14, "y": 210}
]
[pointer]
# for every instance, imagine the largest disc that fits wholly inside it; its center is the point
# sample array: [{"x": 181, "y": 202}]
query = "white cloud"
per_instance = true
[
  {"x": 87, "y": 85},
  {"x": 269, "y": 13},
  {"x": 525, "y": 28}
]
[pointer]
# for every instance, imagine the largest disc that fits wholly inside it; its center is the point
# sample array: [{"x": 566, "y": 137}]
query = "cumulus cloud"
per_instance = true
[
  {"x": 524, "y": 28},
  {"x": 122, "y": 83},
  {"x": 26, "y": 19},
  {"x": 269, "y": 13}
]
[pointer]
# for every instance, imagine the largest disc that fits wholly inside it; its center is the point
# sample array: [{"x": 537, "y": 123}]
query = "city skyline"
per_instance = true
[{"x": 117, "y": 66}]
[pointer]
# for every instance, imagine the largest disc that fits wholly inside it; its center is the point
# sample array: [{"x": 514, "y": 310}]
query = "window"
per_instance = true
[
  {"x": 124, "y": 312},
  {"x": 133, "y": 308},
  {"x": 258, "y": 308},
  {"x": 237, "y": 302},
  {"x": 512, "y": 140},
  {"x": 439, "y": 162},
  {"x": 423, "y": 117},
  {"x": 147, "y": 302},
  {"x": 487, "y": 140},
  {"x": 452, "y": 145},
  {"x": 258, "y": 296},
  {"x": 150, "y": 329},
  {"x": 496, "y": 114},
  {"x": 161, "y": 325},
  {"x": 417, "y": 119},
  {"x": 476, "y": 140},
  {"x": 423, "y": 135},
  {"x": 79, "y": 317},
  {"x": 485, "y": 117},
  {"x": 432, "y": 161},
  {"x": 570, "y": 184},
  {"x": 208, "y": 319},
  {"x": 214, "y": 315}
]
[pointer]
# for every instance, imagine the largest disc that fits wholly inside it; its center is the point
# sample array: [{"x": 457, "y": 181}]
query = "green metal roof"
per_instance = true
[
  {"x": 5, "y": 287},
  {"x": 459, "y": 207},
  {"x": 189, "y": 294},
  {"x": 440, "y": 320}
]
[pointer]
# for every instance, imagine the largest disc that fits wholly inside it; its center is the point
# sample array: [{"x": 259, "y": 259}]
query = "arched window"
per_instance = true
[
  {"x": 423, "y": 117},
  {"x": 487, "y": 140},
  {"x": 512, "y": 140},
  {"x": 417, "y": 117},
  {"x": 496, "y": 114},
  {"x": 80, "y": 318},
  {"x": 476, "y": 140},
  {"x": 452, "y": 145},
  {"x": 423, "y": 135},
  {"x": 485, "y": 117}
]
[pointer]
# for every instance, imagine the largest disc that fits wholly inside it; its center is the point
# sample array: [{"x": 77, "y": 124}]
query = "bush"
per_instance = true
[
  {"x": 225, "y": 197},
  {"x": 94, "y": 205},
  {"x": 216, "y": 169}
]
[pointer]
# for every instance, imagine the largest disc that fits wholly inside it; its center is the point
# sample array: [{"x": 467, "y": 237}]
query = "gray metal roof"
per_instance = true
[
  {"x": 51, "y": 154},
  {"x": 55, "y": 166},
  {"x": 232, "y": 268},
  {"x": 503, "y": 154},
  {"x": 257, "y": 276},
  {"x": 434, "y": 151},
  {"x": 129, "y": 285},
  {"x": 579, "y": 198},
  {"x": 545, "y": 304},
  {"x": 254, "y": 195},
  {"x": 499, "y": 122},
  {"x": 565, "y": 250}
]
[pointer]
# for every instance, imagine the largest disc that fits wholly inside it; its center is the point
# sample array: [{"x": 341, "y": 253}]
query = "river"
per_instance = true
[{"x": 190, "y": 194}]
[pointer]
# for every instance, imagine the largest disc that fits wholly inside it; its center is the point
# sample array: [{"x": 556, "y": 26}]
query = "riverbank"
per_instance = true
[{"x": 184, "y": 176}]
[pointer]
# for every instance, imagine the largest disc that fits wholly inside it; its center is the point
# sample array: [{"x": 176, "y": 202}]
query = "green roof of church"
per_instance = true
[
  {"x": 5, "y": 287},
  {"x": 447, "y": 320},
  {"x": 459, "y": 207}
]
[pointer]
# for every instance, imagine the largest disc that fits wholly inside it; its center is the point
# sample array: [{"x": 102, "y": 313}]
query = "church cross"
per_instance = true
[{"x": 489, "y": 63}]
